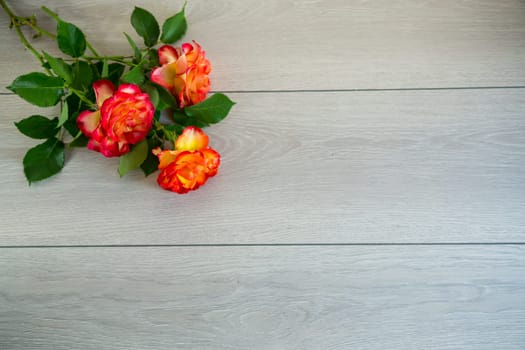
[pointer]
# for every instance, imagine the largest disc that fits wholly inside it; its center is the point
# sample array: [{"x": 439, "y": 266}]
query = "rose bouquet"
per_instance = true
[{"x": 146, "y": 108}]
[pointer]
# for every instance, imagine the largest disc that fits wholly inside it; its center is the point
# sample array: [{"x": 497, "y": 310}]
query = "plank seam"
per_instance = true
[
  {"x": 372, "y": 89},
  {"x": 354, "y": 90},
  {"x": 260, "y": 245}
]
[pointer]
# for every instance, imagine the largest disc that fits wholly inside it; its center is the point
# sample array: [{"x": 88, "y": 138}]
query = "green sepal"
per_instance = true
[
  {"x": 70, "y": 39},
  {"x": 38, "y": 88},
  {"x": 134, "y": 158},
  {"x": 170, "y": 132},
  {"x": 38, "y": 127},
  {"x": 212, "y": 110},
  {"x": 174, "y": 27},
  {"x": 44, "y": 160},
  {"x": 146, "y": 26}
]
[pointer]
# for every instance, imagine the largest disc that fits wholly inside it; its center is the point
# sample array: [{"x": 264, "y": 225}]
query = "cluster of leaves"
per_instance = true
[{"x": 67, "y": 82}]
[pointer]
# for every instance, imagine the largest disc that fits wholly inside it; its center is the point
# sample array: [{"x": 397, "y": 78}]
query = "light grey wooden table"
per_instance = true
[{"x": 371, "y": 195}]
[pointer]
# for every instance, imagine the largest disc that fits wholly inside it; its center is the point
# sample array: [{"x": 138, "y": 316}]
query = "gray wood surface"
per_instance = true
[
  {"x": 295, "y": 44},
  {"x": 397, "y": 166},
  {"x": 432, "y": 297},
  {"x": 413, "y": 185}
]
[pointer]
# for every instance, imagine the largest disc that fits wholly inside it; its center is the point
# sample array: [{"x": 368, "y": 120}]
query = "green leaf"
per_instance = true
[
  {"x": 174, "y": 27},
  {"x": 59, "y": 66},
  {"x": 151, "y": 164},
  {"x": 82, "y": 75},
  {"x": 212, "y": 110},
  {"x": 71, "y": 40},
  {"x": 157, "y": 114},
  {"x": 79, "y": 141},
  {"x": 38, "y": 88},
  {"x": 182, "y": 119},
  {"x": 75, "y": 104},
  {"x": 115, "y": 71},
  {"x": 195, "y": 122},
  {"x": 74, "y": 107},
  {"x": 136, "y": 51},
  {"x": 134, "y": 76},
  {"x": 44, "y": 160},
  {"x": 179, "y": 116},
  {"x": 146, "y": 26},
  {"x": 38, "y": 127},
  {"x": 153, "y": 95},
  {"x": 64, "y": 114},
  {"x": 134, "y": 158},
  {"x": 166, "y": 97}
]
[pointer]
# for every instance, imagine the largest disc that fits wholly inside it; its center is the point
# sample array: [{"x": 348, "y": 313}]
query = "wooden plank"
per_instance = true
[
  {"x": 263, "y": 298},
  {"x": 274, "y": 44},
  {"x": 403, "y": 166}
]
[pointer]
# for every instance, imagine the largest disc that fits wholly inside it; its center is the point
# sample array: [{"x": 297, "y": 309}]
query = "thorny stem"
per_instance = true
[
  {"x": 119, "y": 59},
  {"x": 7, "y": 9},
  {"x": 16, "y": 23},
  {"x": 92, "y": 49},
  {"x": 28, "y": 21},
  {"x": 51, "y": 13}
]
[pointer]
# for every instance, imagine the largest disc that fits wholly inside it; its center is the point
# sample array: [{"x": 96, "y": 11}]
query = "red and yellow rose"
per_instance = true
[
  {"x": 191, "y": 163},
  {"x": 124, "y": 117},
  {"x": 184, "y": 72}
]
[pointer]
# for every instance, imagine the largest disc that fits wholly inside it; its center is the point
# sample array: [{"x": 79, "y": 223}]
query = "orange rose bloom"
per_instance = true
[
  {"x": 184, "y": 72},
  {"x": 190, "y": 165}
]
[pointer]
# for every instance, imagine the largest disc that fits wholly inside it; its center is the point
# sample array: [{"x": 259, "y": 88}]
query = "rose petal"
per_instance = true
[
  {"x": 88, "y": 122},
  {"x": 93, "y": 145},
  {"x": 191, "y": 169},
  {"x": 187, "y": 47},
  {"x": 103, "y": 90},
  {"x": 165, "y": 75},
  {"x": 110, "y": 148},
  {"x": 191, "y": 139},
  {"x": 165, "y": 157},
  {"x": 167, "y": 54},
  {"x": 212, "y": 159},
  {"x": 129, "y": 89}
]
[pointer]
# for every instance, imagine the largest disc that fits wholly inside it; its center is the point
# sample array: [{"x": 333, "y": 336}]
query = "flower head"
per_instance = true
[
  {"x": 124, "y": 118},
  {"x": 190, "y": 165},
  {"x": 184, "y": 72}
]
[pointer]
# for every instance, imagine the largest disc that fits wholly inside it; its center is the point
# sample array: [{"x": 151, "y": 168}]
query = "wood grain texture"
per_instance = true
[
  {"x": 263, "y": 298},
  {"x": 295, "y": 44},
  {"x": 398, "y": 166},
  {"x": 422, "y": 166}
]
